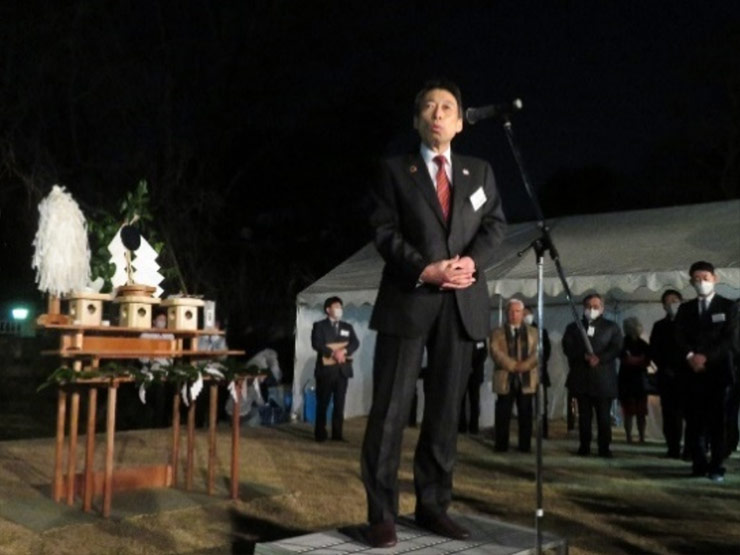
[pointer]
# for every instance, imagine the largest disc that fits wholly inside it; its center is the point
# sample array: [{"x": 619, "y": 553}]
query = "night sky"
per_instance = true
[{"x": 258, "y": 125}]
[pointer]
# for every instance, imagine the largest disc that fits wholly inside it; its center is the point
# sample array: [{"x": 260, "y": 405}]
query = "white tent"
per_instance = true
[{"x": 629, "y": 257}]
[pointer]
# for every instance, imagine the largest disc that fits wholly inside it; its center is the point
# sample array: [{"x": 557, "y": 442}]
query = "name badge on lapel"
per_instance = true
[
  {"x": 591, "y": 331},
  {"x": 344, "y": 333},
  {"x": 478, "y": 198},
  {"x": 719, "y": 317}
]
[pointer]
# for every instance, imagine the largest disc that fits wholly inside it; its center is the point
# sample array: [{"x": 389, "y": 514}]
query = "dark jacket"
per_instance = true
[
  {"x": 633, "y": 378},
  {"x": 710, "y": 335},
  {"x": 665, "y": 353},
  {"x": 600, "y": 381},
  {"x": 322, "y": 334},
  {"x": 410, "y": 233}
]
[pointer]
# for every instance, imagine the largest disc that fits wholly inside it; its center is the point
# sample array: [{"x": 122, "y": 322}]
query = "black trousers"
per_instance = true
[
  {"x": 330, "y": 382},
  {"x": 705, "y": 412},
  {"x": 587, "y": 405},
  {"x": 524, "y": 408},
  {"x": 672, "y": 407},
  {"x": 471, "y": 396},
  {"x": 396, "y": 368},
  {"x": 733, "y": 408}
]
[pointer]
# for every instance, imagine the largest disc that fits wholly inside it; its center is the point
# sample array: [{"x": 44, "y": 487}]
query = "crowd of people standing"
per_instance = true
[{"x": 695, "y": 349}]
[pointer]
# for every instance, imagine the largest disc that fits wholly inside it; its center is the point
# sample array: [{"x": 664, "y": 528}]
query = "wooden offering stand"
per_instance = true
[{"x": 84, "y": 347}]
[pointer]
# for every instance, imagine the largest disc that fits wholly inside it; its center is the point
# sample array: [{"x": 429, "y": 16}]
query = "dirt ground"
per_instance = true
[{"x": 637, "y": 502}]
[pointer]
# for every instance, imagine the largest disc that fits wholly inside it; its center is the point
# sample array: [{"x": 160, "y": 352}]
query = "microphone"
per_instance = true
[{"x": 496, "y": 111}]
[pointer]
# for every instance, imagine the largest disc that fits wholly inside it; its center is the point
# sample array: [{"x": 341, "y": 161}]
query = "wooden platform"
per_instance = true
[{"x": 488, "y": 536}]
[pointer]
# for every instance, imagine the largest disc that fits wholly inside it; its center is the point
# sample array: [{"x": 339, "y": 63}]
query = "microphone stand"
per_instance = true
[{"x": 543, "y": 244}]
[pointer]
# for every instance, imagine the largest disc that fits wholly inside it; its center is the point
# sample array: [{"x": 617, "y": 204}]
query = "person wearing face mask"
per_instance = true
[
  {"x": 592, "y": 378},
  {"x": 671, "y": 373},
  {"x": 704, "y": 331},
  {"x": 546, "y": 349},
  {"x": 334, "y": 342},
  {"x": 633, "y": 376}
]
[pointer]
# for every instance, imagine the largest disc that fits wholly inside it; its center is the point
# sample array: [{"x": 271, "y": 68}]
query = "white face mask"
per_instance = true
[
  {"x": 337, "y": 313},
  {"x": 703, "y": 287},
  {"x": 591, "y": 313},
  {"x": 529, "y": 319},
  {"x": 672, "y": 308}
]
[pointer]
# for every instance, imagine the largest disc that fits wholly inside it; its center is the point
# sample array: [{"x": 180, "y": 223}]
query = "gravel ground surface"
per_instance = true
[{"x": 637, "y": 502}]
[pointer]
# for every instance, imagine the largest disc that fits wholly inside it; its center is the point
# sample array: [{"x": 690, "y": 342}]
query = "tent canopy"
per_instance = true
[{"x": 630, "y": 254}]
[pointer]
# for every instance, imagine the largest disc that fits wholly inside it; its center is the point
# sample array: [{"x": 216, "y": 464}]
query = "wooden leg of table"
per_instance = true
[
  {"x": 191, "y": 446},
  {"x": 57, "y": 486},
  {"x": 74, "y": 417},
  {"x": 92, "y": 407},
  {"x": 175, "y": 436},
  {"x": 235, "y": 443},
  {"x": 109, "y": 438},
  {"x": 212, "y": 413}
]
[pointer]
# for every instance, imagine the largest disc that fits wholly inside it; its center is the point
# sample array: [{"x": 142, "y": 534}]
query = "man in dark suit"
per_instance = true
[
  {"x": 469, "y": 421},
  {"x": 704, "y": 331},
  {"x": 593, "y": 377},
  {"x": 438, "y": 220},
  {"x": 671, "y": 372},
  {"x": 334, "y": 342}
]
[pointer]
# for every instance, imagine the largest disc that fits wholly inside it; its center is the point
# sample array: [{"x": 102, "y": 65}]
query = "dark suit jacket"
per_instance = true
[
  {"x": 410, "y": 233},
  {"x": 665, "y": 352},
  {"x": 600, "y": 381},
  {"x": 710, "y": 335},
  {"x": 323, "y": 333}
]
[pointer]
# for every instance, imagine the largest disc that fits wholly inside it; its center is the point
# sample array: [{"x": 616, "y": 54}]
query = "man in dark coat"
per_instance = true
[
  {"x": 593, "y": 377},
  {"x": 471, "y": 397},
  {"x": 704, "y": 331},
  {"x": 438, "y": 221},
  {"x": 334, "y": 342},
  {"x": 671, "y": 372}
]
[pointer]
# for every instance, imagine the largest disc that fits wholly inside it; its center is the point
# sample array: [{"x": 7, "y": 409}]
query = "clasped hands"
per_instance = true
[
  {"x": 592, "y": 360},
  {"x": 698, "y": 362},
  {"x": 340, "y": 355},
  {"x": 453, "y": 273}
]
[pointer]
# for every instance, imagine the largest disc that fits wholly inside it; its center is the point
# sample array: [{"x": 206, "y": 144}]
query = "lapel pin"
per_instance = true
[
  {"x": 465, "y": 171},
  {"x": 412, "y": 169}
]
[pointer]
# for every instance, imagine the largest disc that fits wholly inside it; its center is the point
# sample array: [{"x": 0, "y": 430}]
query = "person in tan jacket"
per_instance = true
[{"x": 515, "y": 376}]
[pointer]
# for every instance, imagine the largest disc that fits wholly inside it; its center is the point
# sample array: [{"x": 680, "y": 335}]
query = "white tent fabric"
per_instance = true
[{"x": 629, "y": 257}]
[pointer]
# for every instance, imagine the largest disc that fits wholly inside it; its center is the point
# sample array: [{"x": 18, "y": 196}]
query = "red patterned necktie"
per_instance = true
[{"x": 443, "y": 187}]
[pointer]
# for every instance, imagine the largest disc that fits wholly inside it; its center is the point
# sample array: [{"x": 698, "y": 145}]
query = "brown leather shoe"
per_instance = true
[
  {"x": 381, "y": 534},
  {"x": 442, "y": 525}
]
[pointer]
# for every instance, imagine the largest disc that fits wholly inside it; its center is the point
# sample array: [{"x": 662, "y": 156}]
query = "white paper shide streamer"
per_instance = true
[
  {"x": 62, "y": 255},
  {"x": 195, "y": 388}
]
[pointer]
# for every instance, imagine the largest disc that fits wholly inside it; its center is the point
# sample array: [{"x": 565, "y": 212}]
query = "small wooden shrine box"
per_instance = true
[
  {"x": 135, "y": 302},
  {"x": 182, "y": 313},
  {"x": 86, "y": 308}
]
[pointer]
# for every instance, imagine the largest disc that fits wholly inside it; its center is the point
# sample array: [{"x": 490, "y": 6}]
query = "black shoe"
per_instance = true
[
  {"x": 381, "y": 534},
  {"x": 606, "y": 454},
  {"x": 583, "y": 452},
  {"x": 442, "y": 525},
  {"x": 500, "y": 449},
  {"x": 340, "y": 439}
]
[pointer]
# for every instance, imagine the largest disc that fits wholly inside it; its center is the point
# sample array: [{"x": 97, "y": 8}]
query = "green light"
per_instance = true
[{"x": 19, "y": 313}]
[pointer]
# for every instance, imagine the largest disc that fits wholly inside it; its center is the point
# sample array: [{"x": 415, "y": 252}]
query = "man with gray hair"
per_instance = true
[{"x": 515, "y": 377}]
